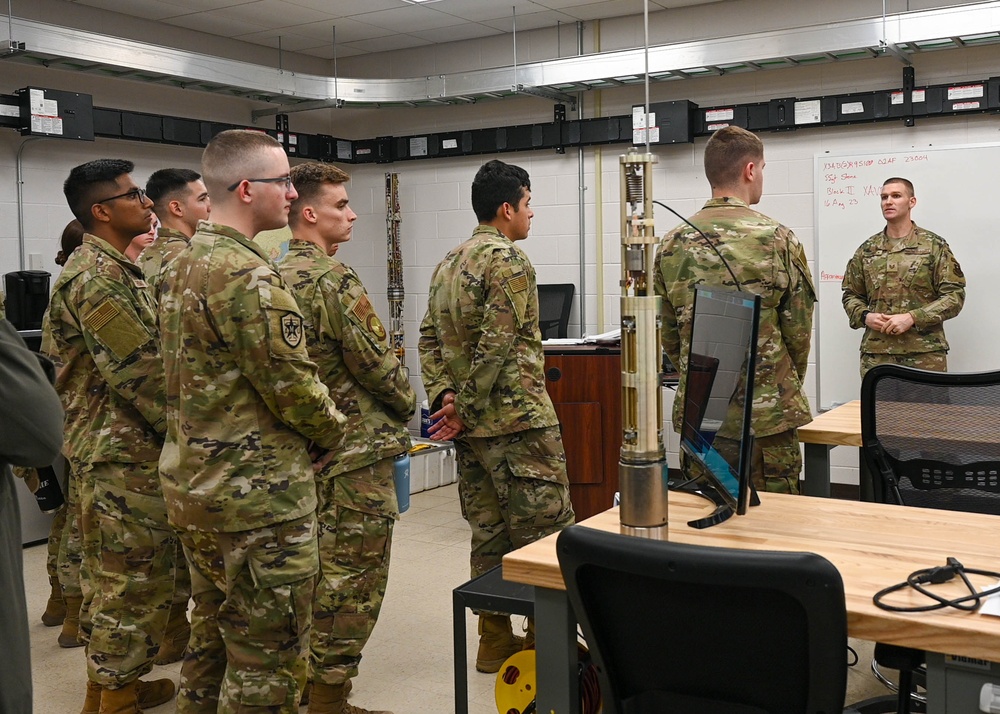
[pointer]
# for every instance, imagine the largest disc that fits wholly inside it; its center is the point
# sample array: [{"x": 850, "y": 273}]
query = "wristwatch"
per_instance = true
[{"x": 864, "y": 316}]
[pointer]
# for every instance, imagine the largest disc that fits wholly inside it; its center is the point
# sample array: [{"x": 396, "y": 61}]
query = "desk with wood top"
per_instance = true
[
  {"x": 872, "y": 545},
  {"x": 841, "y": 426}
]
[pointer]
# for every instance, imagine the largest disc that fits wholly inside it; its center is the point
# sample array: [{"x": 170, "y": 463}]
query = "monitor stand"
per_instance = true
[{"x": 723, "y": 511}]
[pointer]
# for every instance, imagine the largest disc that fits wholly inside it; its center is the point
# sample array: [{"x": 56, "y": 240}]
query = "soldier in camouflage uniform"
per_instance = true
[
  {"x": 180, "y": 200},
  {"x": 763, "y": 257},
  {"x": 103, "y": 332},
  {"x": 901, "y": 285},
  {"x": 244, "y": 407},
  {"x": 357, "y": 497},
  {"x": 483, "y": 369}
]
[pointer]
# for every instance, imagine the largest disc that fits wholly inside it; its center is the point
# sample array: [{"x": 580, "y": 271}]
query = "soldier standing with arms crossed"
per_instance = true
[
  {"x": 357, "y": 497},
  {"x": 482, "y": 366},
  {"x": 901, "y": 285},
  {"x": 759, "y": 255},
  {"x": 244, "y": 405},
  {"x": 102, "y": 324}
]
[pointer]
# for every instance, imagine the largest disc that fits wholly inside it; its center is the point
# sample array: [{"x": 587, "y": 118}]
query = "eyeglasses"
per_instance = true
[
  {"x": 287, "y": 180},
  {"x": 134, "y": 193}
]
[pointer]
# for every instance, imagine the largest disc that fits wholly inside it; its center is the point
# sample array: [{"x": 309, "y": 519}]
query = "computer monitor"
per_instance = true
[{"x": 718, "y": 395}]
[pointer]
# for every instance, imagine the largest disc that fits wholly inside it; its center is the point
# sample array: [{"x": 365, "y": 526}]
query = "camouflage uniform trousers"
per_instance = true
[
  {"x": 69, "y": 547},
  {"x": 355, "y": 538},
  {"x": 513, "y": 489},
  {"x": 253, "y": 593},
  {"x": 129, "y": 552},
  {"x": 776, "y": 462},
  {"x": 935, "y": 361}
]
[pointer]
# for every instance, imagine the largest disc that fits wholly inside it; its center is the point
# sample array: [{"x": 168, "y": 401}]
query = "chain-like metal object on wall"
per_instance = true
[
  {"x": 394, "y": 266},
  {"x": 641, "y": 467}
]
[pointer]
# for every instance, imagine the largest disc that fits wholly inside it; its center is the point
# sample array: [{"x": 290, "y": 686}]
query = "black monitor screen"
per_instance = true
[{"x": 718, "y": 391}]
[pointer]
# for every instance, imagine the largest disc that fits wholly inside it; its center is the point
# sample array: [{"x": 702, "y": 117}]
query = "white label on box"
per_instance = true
[
  {"x": 46, "y": 125},
  {"x": 449, "y": 143},
  {"x": 50, "y": 107},
  {"x": 9, "y": 110},
  {"x": 969, "y": 91},
  {"x": 418, "y": 146},
  {"x": 293, "y": 139},
  {"x": 959, "y": 106},
  {"x": 639, "y": 136},
  {"x": 919, "y": 95},
  {"x": 719, "y": 115},
  {"x": 36, "y": 100},
  {"x": 716, "y": 127},
  {"x": 897, "y": 98},
  {"x": 852, "y": 108},
  {"x": 807, "y": 112}
]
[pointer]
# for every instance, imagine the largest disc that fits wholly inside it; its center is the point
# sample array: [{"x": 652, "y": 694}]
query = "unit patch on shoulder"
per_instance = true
[
  {"x": 375, "y": 325},
  {"x": 291, "y": 329},
  {"x": 518, "y": 283},
  {"x": 119, "y": 331}
]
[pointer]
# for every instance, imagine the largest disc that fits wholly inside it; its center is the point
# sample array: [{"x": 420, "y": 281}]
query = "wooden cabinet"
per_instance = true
[{"x": 584, "y": 382}]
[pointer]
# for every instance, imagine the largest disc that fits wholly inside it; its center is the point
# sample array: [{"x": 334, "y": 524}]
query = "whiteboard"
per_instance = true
[{"x": 956, "y": 190}]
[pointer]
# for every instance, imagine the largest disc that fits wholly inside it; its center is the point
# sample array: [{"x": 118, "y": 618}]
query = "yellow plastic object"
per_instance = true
[{"x": 516, "y": 683}]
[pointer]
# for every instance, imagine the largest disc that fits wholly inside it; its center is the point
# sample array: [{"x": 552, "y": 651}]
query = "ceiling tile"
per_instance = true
[
  {"x": 479, "y": 11},
  {"x": 347, "y": 8},
  {"x": 290, "y": 42},
  {"x": 215, "y": 23},
  {"x": 146, "y": 9},
  {"x": 468, "y": 31},
  {"x": 273, "y": 14},
  {"x": 407, "y": 19},
  {"x": 347, "y": 30},
  {"x": 384, "y": 44},
  {"x": 534, "y": 21}
]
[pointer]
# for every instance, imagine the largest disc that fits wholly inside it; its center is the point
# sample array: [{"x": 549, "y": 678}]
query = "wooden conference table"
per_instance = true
[
  {"x": 841, "y": 426},
  {"x": 872, "y": 545}
]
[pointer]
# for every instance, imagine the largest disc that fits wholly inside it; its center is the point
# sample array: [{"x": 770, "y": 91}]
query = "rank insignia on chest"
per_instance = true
[{"x": 291, "y": 329}]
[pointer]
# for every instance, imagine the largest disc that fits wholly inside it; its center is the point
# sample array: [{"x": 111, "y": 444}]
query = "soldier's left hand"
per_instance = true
[{"x": 897, "y": 324}]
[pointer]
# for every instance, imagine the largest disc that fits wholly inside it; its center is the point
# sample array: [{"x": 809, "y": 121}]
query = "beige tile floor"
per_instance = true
[{"x": 407, "y": 666}]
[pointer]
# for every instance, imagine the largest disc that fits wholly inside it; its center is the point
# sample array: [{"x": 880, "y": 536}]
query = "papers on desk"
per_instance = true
[
  {"x": 613, "y": 337},
  {"x": 605, "y": 338},
  {"x": 991, "y": 606}
]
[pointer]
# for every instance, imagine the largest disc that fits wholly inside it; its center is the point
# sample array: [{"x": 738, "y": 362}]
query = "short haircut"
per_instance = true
[
  {"x": 727, "y": 152},
  {"x": 232, "y": 156},
  {"x": 91, "y": 183},
  {"x": 166, "y": 184},
  {"x": 497, "y": 183},
  {"x": 905, "y": 182},
  {"x": 72, "y": 238},
  {"x": 309, "y": 179}
]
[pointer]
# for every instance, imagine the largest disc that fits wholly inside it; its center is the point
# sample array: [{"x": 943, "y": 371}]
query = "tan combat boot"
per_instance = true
[
  {"x": 332, "y": 699},
  {"x": 175, "y": 637},
  {"x": 496, "y": 643},
  {"x": 55, "y": 608},
  {"x": 120, "y": 701},
  {"x": 154, "y": 693},
  {"x": 69, "y": 637},
  {"x": 92, "y": 704}
]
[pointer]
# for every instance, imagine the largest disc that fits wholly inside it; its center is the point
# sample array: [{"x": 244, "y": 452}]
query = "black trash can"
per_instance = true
[{"x": 27, "y": 296}]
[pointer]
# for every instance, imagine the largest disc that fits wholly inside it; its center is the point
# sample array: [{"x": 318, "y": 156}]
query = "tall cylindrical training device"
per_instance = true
[
  {"x": 642, "y": 481},
  {"x": 394, "y": 266}
]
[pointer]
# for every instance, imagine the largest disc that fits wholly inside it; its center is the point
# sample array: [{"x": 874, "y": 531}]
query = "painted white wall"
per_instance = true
[{"x": 434, "y": 194}]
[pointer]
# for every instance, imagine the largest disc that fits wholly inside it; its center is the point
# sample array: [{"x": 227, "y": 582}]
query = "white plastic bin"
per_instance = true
[{"x": 432, "y": 465}]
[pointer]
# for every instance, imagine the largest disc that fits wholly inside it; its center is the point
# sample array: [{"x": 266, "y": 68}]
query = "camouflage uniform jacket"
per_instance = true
[
  {"x": 917, "y": 274},
  {"x": 769, "y": 261},
  {"x": 480, "y": 337},
  {"x": 243, "y": 399},
  {"x": 347, "y": 340},
  {"x": 157, "y": 256},
  {"x": 100, "y": 329}
]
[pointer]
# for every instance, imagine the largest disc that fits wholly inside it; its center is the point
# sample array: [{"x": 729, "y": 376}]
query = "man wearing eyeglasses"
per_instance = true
[
  {"x": 244, "y": 407},
  {"x": 102, "y": 323}
]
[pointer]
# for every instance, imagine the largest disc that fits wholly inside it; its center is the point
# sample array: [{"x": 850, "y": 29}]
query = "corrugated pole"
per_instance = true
[
  {"x": 642, "y": 463},
  {"x": 394, "y": 266}
]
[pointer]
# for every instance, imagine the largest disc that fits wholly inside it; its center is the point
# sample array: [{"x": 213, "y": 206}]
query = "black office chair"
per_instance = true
[
  {"x": 929, "y": 439},
  {"x": 554, "y": 304},
  {"x": 699, "y": 630}
]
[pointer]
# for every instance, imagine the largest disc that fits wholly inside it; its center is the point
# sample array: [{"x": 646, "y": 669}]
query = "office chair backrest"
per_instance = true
[
  {"x": 699, "y": 630},
  {"x": 554, "y": 304},
  {"x": 932, "y": 439}
]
